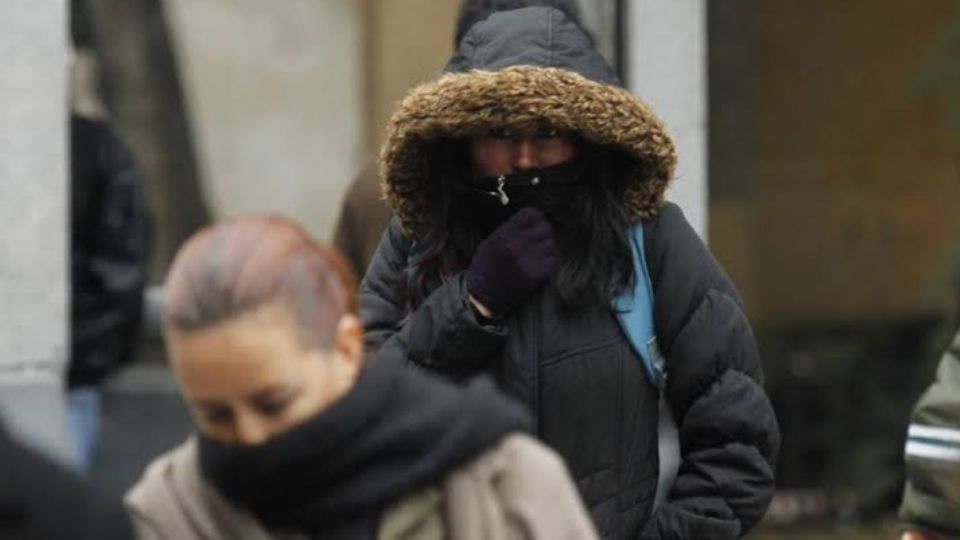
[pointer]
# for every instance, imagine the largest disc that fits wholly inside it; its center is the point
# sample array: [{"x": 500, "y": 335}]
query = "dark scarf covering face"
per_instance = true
[
  {"x": 490, "y": 201},
  {"x": 396, "y": 431}
]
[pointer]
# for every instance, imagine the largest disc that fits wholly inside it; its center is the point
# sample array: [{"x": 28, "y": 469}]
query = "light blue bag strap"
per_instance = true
[{"x": 635, "y": 312}]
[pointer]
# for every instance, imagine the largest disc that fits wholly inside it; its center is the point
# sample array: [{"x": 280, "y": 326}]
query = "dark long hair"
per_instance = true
[{"x": 592, "y": 230}]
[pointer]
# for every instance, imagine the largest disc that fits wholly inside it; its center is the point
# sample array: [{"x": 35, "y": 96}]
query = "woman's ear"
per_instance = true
[{"x": 349, "y": 340}]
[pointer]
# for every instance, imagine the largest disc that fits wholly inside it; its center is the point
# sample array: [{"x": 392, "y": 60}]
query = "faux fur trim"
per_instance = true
[{"x": 461, "y": 104}]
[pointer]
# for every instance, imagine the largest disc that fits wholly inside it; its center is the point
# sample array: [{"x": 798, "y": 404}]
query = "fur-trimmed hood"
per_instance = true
[{"x": 522, "y": 66}]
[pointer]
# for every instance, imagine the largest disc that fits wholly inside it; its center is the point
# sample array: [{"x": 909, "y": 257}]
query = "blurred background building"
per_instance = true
[
  {"x": 834, "y": 178},
  {"x": 820, "y": 156}
]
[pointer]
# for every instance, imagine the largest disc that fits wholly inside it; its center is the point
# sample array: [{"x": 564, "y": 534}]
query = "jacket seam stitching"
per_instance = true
[{"x": 565, "y": 355}]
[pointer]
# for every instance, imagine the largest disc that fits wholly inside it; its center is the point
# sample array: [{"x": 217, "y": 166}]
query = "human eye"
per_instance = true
[
  {"x": 216, "y": 415},
  {"x": 548, "y": 132},
  {"x": 275, "y": 404},
  {"x": 273, "y": 408},
  {"x": 501, "y": 133}
]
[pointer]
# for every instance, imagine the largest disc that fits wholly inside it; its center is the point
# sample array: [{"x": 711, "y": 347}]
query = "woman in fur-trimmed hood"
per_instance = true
[{"x": 515, "y": 179}]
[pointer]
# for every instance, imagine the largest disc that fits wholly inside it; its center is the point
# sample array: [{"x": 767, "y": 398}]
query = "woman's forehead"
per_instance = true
[{"x": 527, "y": 126}]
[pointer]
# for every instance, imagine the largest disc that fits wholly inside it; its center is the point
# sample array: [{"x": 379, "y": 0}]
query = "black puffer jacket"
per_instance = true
[{"x": 575, "y": 370}]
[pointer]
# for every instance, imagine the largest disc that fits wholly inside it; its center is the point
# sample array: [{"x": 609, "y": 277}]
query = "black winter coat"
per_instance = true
[
  {"x": 109, "y": 251},
  {"x": 589, "y": 396},
  {"x": 40, "y": 500},
  {"x": 575, "y": 370}
]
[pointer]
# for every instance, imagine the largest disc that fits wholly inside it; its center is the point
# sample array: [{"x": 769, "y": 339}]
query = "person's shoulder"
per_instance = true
[
  {"x": 91, "y": 133},
  {"x": 171, "y": 500},
  {"x": 156, "y": 487},
  {"x": 530, "y": 484},
  {"x": 519, "y": 454},
  {"x": 670, "y": 241},
  {"x": 670, "y": 228},
  {"x": 87, "y": 124},
  {"x": 523, "y": 446}
]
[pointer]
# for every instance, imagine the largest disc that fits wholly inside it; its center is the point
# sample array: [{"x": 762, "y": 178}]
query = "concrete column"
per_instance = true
[
  {"x": 275, "y": 95},
  {"x": 33, "y": 214},
  {"x": 667, "y": 66}
]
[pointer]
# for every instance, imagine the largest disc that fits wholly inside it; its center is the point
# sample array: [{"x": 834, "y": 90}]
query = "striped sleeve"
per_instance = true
[
  {"x": 934, "y": 443},
  {"x": 931, "y": 500}
]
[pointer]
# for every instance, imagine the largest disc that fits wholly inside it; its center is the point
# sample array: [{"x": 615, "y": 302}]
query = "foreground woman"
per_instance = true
[{"x": 299, "y": 438}]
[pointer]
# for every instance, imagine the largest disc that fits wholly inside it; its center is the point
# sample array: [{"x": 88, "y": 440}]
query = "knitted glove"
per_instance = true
[{"x": 513, "y": 262}]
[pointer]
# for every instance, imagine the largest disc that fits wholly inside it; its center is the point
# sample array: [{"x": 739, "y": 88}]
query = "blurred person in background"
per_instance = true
[
  {"x": 299, "y": 437},
  {"x": 110, "y": 240},
  {"x": 41, "y": 500},
  {"x": 111, "y": 237},
  {"x": 931, "y": 499},
  {"x": 519, "y": 180},
  {"x": 364, "y": 215}
]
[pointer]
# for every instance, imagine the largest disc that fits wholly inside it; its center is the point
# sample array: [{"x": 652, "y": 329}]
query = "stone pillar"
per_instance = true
[
  {"x": 141, "y": 86},
  {"x": 601, "y": 19},
  {"x": 276, "y": 99},
  {"x": 667, "y": 66},
  {"x": 33, "y": 214}
]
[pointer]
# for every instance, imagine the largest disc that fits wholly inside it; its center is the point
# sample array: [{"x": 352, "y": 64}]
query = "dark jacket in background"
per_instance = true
[
  {"x": 575, "y": 370},
  {"x": 363, "y": 218},
  {"x": 110, "y": 240},
  {"x": 40, "y": 500}
]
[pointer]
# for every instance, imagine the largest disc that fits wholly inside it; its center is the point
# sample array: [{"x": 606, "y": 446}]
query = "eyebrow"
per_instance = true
[
  {"x": 207, "y": 404},
  {"x": 271, "y": 392}
]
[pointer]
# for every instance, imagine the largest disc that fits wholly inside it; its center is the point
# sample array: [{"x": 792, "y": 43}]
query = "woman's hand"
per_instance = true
[{"x": 512, "y": 263}]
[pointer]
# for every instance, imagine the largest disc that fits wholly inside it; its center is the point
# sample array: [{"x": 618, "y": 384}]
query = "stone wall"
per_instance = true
[
  {"x": 275, "y": 96},
  {"x": 33, "y": 212}
]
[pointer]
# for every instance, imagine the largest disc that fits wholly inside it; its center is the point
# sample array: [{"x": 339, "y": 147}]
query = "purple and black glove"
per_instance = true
[{"x": 513, "y": 262}]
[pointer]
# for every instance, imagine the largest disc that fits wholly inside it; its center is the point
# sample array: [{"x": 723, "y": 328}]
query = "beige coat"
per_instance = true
[{"x": 518, "y": 489}]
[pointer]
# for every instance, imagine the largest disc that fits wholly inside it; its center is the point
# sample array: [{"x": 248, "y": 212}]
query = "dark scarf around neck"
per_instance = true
[{"x": 396, "y": 431}]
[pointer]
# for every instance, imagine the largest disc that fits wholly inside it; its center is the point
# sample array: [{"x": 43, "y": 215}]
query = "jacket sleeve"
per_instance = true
[
  {"x": 931, "y": 498},
  {"x": 109, "y": 274},
  {"x": 728, "y": 432},
  {"x": 442, "y": 333}
]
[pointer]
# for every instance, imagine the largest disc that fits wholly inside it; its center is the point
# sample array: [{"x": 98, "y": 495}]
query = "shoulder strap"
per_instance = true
[{"x": 635, "y": 312}]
